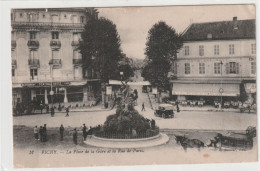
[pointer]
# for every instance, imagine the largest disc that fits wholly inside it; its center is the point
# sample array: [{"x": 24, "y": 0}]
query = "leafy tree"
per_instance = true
[
  {"x": 161, "y": 50},
  {"x": 100, "y": 48}
]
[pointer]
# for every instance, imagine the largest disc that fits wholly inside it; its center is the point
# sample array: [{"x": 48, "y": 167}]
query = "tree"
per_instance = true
[
  {"x": 100, "y": 48},
  {"x": 161, "y": 50}
]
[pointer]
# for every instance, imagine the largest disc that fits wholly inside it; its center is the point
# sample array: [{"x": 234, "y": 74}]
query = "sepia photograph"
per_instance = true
[{"x": 126, "y": 86}]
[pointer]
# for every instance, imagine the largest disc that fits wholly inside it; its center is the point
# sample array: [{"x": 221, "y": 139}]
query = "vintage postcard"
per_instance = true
[{"x": 133, "y": 85}]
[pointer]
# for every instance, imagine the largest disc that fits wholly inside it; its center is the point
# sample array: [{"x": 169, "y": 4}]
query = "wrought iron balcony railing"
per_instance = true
[
  {"x": 33, "y": 43},
  {"x": 13, "y": 44},
  {"x": 34, "y": 63},
  {"x": 14, "y": 63},
  {"x": 55, "y": 62},
  {"x": 55, "y": 44},
  {"x": 77, "y": 61}
]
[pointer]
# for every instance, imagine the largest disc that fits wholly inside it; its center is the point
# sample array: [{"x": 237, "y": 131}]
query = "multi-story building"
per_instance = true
[
  {"x": 218, "y": 59},
  {"x": 45, "y": 55}
]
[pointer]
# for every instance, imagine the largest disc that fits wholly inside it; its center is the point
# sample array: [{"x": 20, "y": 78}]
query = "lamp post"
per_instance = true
[
  {"x": 121, "y": 75},
  {"x": 51, "y": 92},
  {"x": 221, "y": 89}
]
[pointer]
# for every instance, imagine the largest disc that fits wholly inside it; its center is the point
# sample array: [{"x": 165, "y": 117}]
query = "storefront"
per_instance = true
[{"x": 206, "y": 91}]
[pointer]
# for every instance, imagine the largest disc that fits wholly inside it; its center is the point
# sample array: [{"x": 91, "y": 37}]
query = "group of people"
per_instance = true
[
  {"x": 85, "y": 133},
  {"x": 40, "y": 133}
]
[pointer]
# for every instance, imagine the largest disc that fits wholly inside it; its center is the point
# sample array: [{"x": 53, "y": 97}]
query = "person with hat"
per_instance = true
[{"x": 84, "y": 130}]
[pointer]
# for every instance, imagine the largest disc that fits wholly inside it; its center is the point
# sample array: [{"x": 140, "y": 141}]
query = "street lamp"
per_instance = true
[{"x": 51, "y": 92}]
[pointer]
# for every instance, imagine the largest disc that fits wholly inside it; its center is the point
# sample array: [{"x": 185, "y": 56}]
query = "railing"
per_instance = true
[
  {"x": 33, "y": 43},
  {"x": 49, "y": 24},
  {"x": 55, "y": 62},
  {"x": 126, "y": 134},
  {"x": 77, "y": 61},
  {"x": 34, "y": 63},
  {"x": 13, "y": 44},
  {"x": 55, "y": 43},
  {"x": 14, "y": 63}
]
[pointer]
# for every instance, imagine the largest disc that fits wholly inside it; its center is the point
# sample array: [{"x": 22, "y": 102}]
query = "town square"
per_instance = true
[{"x": 133, "y": 85}]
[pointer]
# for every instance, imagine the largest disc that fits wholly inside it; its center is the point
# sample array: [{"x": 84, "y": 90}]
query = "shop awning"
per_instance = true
[
  {"x": 205, "y": 89},
  {"x": 117, "y": 82}
]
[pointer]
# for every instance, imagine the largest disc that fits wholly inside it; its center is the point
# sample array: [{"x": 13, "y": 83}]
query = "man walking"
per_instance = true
[
  {"x": 75, "y": 136},
  {"x": 84, "y": 130},
  {"x": 44, "y": 133},
  {"x": 143, "y": 109},
  {"x": 61, "y": 132},
  {"x": 67, "y": 111},
  {"x": 36, "y": 133},
  {"x": 41, "y": 133},
  {"x": 52, "y": 111}
]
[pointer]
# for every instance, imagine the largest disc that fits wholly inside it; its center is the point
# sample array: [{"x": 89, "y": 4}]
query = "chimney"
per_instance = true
[{"x": 235, "y": 23}]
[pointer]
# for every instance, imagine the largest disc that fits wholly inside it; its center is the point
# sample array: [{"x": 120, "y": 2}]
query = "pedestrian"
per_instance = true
[
  {"x": 47, "y": 108},
  {"x": 178, "y": 109},
  {"x": 75, "y": 136},
  {"x": 44, "y": 132},
  {"x": 41, "y": 107},
  {"x": 52, "y": 111},
  {"x": 41, "y": 133},
  {"x": 36, "y": 133},
  {"x": 61, "y": 132},
  {"x": 84, "y": 130},
  {"x": 143, "y": 109},
  {"x": 67, "y": 111}
]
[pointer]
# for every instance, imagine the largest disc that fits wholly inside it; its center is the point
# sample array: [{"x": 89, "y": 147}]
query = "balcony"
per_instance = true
[
  {"x": 56, "y": 62},
  {"x": 13, "y": 44},
  {"x": 34, "y": 63},
  {"x": 55, "y": 44},
  {"x": 33, "y": 44},
  {"x": 14, "y": 65},
  {"x": 77, "y": 61}
]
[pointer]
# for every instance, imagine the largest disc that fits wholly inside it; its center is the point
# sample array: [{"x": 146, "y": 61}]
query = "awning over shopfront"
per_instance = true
[
  {"x": 117, "y": 82},
  {"x": 205, "y": 89}
]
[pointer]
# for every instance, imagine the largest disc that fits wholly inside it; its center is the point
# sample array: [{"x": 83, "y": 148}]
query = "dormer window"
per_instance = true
[
  {"x": 55, "y": 35},
  {"x": 43, "y": 16},
  {"x": 65, "y": 16},
  {"x": 21, "y": 15}
]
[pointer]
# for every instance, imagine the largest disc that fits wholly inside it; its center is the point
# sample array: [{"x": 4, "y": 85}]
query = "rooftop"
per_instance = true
[{"x": 223, "y": 30}]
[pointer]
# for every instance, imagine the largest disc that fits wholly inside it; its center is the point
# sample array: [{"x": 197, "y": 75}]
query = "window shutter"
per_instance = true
[
  {"x": 227, "y": 68},
  {"x": 237, "y": 68}
]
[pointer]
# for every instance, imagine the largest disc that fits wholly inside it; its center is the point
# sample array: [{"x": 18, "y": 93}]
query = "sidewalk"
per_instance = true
[{"x": 154, "y": 105}]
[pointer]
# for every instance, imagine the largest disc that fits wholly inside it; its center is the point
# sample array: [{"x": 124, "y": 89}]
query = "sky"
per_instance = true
[{"x": 133, "y": 23}]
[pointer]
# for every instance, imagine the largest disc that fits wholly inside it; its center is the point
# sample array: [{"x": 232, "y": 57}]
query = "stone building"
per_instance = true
[
  {"x": 45, "y": 57},
  {"x": 217, "y": 59}
]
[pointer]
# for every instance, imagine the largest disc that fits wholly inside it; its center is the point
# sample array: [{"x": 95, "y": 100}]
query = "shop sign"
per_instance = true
[
  {"x": 42, "y": 84},
  {"x": 109, "y": 90}
]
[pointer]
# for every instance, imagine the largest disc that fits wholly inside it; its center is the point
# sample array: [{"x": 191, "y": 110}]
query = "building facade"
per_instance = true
[
  {"x": 45, "y": 56},
  {"x": 218, "y": 59}
]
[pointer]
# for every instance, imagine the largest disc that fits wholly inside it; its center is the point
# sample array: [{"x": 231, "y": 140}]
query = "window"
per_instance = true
[
  {"x": 253, "y": 48},
  {"x": 65, "y": 16},
  {"x": 81, "y": 19},
  {"x": 201, "y": 50},
  {"x": 43, "y": 15},
  {"x": 33, "y": 54},
  {"x": 253, "y": 67},
  {"x": 12, "y": 36},
  {"x": 187, "y": 68},
  {"x": 13, "y": 72},
  {"x": 217, "y": 68},
  {"x": 216, "y": 49},
  {"x": 232, "y": 68},
  {"x": 33, "y": 74},
  {"x": 32, "y": 35},
  {"x": 55, "y": 35},
  {"x": 21, "y": 15},
  {"x": 12, "y": 16},
  {"x": 186, "y": 50},
  {"x": 231, "y": 49},
  {"x": 202, "y": 68}
]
